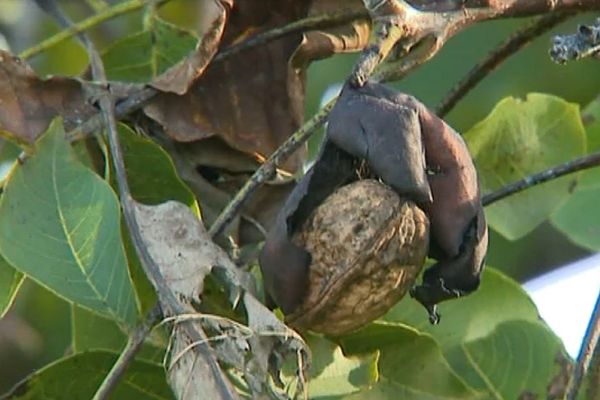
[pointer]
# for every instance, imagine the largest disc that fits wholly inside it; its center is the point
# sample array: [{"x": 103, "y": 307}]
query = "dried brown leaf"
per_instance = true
[
  {"x": 179, "y": 77},
  {"x": 185, "y": 254},
  {"x": 30, "y": 103}
]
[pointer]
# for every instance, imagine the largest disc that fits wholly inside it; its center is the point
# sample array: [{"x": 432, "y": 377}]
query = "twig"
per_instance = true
[
  {"x": 133, "y": 346},
  {"x": 586, "y": 352},
  {"x": 557, "y": 171},
  {"x": 267, "y": 169},
  {"x": 501, "y": 53},
  {"x": 584, "y": 43},
  {"x": 74, "y": 29},
  {"x": 321, "y": 21}
]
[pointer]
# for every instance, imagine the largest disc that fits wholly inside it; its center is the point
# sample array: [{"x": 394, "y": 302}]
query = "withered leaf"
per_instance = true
[
  {"x": 179, "y": 77},
  {"x": 254, "y": 99},
  {"x": 30, "y": 103},
  {"x": 185, "y": 255}
]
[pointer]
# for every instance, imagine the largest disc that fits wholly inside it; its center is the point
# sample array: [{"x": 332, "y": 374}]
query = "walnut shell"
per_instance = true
[{"x": 368, "y": 245}]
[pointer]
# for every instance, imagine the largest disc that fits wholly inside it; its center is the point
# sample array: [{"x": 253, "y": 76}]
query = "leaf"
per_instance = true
[
  {"x": 409, "y": 362},
  {"x": 10, "y": 282},
  {"x": 91, "y": 332},
  {"x": 59, "y": 224},
  {"x": 590, "y": 115},
  {"x": 150, "y": 172},
  {"x": 263, "y": 101},
  {"x": 334, "y": 374},
  {"x": 144, "y": 55},
  {"x": 517, "y": 357},
  {"x": 579, "y": 218},
  {"x": 520, "y": 138},
  {"x": 79, "y": 376},
  {"x": 30, "y": 103},
  {"x": 184, "y": 253},
  {"x": 497, "y": 300}
]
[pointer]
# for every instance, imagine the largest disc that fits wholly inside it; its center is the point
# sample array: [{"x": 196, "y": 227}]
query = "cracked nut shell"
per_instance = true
[{"x": 367, "y": 245}]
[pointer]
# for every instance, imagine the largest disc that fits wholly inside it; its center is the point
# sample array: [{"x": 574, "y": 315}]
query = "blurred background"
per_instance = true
[{"x": 36, "y": 330}]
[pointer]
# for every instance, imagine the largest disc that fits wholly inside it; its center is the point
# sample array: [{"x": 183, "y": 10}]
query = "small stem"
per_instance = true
[
  {"x": 268, "y": 168},
  {"x": 557, "y": 171},
  {"x": 302, "y": 25},
  {"x": 133, "y": 345},
  {"x": 74, "y": 29},
  {"x": 513, "y": 44},
  {"x": 586, "y": 353}
]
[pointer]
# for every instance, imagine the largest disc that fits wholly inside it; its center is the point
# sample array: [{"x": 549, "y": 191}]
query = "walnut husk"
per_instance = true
[{"x": 367, "y": 245}]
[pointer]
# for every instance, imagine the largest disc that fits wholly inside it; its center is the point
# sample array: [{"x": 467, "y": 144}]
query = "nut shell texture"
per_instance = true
[{"x": 367, "y": 245}]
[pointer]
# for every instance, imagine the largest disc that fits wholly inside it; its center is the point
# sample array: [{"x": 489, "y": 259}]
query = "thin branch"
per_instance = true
[
  {"x": 569, "y": 167},
  {"x": 133, "y": 346},
  {"x": 584, "y": 43},
  {"x": 321, "y": 21},
  {"x": 88, "y": 23},
  {"x": 586, "y": 353},
  {"x": 513, "y": 44},
  {"x": 267, "y": 169},
  {"x": 167, "y": 299}
]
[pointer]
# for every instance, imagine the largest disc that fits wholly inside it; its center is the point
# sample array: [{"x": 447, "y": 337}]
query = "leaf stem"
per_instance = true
[
  {"x": 96, "y": 19},
  {"x": 133, "y": 345},
  {"x": 578, "y": 164},
  {"x": 497, "y": 56},
  {"x": 267, "y": 169}
]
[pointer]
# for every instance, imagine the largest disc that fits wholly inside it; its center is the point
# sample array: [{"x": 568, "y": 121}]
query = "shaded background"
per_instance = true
[{"x": 36, "y": 331}]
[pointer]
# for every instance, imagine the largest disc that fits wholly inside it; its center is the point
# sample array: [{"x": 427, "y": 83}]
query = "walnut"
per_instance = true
[{"x": 367, "y": 245}]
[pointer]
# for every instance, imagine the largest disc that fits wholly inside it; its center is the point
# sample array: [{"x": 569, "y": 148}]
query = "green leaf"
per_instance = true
[
  {"x": 10, "y": 282},
  {"x": 151, "y": 174},
  {"x": 497, "y": 300},
  {"x": 90, "y": 331},
  {"x": 409, "y": 362},
  {"x": 59, "y": 224},
  {"x": 143, "y": 56},
  {"x": 579, "y": 218},
  {"x": 520, "y": 138},
  {"x": 79, "y": 376},
  {"x": 332, "y": 374},
  {"x": 517, "y": 357},
  {"x": 590, "y": 179},
  {"x": 152, "y": 180}
]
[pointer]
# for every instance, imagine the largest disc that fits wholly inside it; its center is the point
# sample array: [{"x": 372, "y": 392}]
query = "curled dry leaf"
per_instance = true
[
  {"x": 185, "y": 255},
  {"x": 30, "y": 103},
  {"x": 254, "y": 99},
  {"x": 179, "y": 77}
]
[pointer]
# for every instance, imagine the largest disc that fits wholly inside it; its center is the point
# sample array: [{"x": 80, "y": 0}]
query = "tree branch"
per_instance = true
[
  {"x": 267, "y": 169},
  {"x": 501, "y": 53},
  {"x": 555, "y": 172},
  {"x": 589, "y": 347}
]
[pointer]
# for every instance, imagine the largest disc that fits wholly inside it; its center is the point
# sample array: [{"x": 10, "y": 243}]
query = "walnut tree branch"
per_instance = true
[
  {"x": 501, "y": 53},
  {"x": 569, "y": 167}
]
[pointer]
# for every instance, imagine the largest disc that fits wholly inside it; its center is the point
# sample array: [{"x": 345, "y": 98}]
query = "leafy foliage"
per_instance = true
[{"x": 59, "y": 224}]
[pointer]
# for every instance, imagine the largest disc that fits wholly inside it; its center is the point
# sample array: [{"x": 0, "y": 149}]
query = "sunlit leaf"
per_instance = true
[
  {"x": 409, "y": 362},
  {"x": 79, "y": 376},
  {"x": 59, "y": 224},
  {"x": 518, "y": 138},
  {"x": 334, "y": 374},
  {"x": 497, "y": 300},
  {"x": 518, "y": 357},
  {"x": 579, "y": 218}
]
